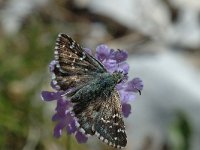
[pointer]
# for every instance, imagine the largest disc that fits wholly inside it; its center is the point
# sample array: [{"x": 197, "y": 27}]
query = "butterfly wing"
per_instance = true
[
  {"x": 109, "y": 125},
  {"x": 74, "y": 65},
  {"x": 103, "y": 118}
]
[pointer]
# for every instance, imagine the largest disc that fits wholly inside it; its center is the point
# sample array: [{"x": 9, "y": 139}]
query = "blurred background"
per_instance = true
[{"x": 163, "y": 41}]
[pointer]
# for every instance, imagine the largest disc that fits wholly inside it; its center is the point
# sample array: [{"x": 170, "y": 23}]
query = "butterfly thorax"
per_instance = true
[
  {"x": 118, "y": 76},
  {"x": 107, "y": 81},
  {"x": 102, "y": 84}
]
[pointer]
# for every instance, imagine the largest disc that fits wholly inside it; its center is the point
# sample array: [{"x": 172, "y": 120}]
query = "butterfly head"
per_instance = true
[{"x": 118, "y": 76}]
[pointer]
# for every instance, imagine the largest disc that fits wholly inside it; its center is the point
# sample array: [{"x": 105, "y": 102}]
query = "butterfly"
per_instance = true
[{"x": 96, "y": 102}]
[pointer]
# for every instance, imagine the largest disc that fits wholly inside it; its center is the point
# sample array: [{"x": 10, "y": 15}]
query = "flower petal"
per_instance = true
[
  {"x": 102, "y": 52},
  {"x": 49, "y": 96},
  {"x": 126, "y": 109},
  {"x": 88, "y": 50},
  {"x": 52, "y": 65},
  {"x": 80, "y": 137},
  {"x": 71, "y": 128},
  {"x": 120, "y": 86},
  {"x": 120, "y": 55},
  {"x": 135, "y": 85},
  {"x": 110, "y": 65},
  {"x": 56, "y": 117},
  {"x": 58, "y": 129},
  {"x": 123, "y": 67},
  {"x": 126, "y": 96}
]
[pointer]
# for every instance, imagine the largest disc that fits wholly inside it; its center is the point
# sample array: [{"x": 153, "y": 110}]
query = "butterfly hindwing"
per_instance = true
[
  {"x": 102, "y": 117},
  {"x": 109, "y": 125}
]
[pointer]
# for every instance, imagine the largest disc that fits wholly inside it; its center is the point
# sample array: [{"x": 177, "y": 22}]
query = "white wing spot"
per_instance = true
[
  {"x": 106, "y": 141},
  {"x": 53, "y": 76},
  {"x": 56, "y": 57},
  {"x": 119, "y": 130},
  {"x": 82, "y": 130},
  {"x": 101, "y": 138},
  {"x": 58, "y": 65},
  {"x": 54, "y": 82},
  {"x": 77, "y": 124},
  {"x": 118, "y": 146},
  {"x": 56, "y": 52},
  {"x": 62, "y": 70},
  {"x": 71, "y": 46},
  {"x": 116, "y": 115},
  {"x": 59, "y": 35},
  {"x": 83, "y": 55},
  {"x": 97, "y": 134},
  {"x": 102, "y": 119},
  {"x": 116, "y": 124},
  {"x": 57, "y": 87}
]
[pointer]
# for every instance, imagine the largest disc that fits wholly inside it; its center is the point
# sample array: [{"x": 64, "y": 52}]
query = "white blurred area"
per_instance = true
[
  {"x": 171, "y": 78},
  {"x": 171, "y": 84}
]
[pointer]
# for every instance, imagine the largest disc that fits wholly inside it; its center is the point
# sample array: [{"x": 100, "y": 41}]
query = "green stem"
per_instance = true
[{"x": 68, "y": 142}]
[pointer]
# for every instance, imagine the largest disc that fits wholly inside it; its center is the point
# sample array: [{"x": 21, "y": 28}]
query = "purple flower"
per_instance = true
[
  {"x": 120, "y": 55},
  {"x": 81, "y": 138},
  {"x": 52, "y": 65},
  {"x": 88, "y": 51},
  {"x": 112, "y": 61},
  {"x": 126, "y": 96},
  {"x": 126, "y": 109},
  {"x": 134, "y": 85},
  {"x": 110, "y": 65},
  {"x": 103, "y": 52},
  {"x": 62, "y": 115}
]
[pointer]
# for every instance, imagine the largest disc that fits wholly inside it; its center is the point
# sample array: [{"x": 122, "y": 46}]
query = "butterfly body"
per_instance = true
[
  {"x": 102, "y": 85},
  {"x": 96, "y": 102}
]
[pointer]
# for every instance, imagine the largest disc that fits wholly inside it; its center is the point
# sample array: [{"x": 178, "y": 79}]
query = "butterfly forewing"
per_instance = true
[
  {"x": 74, "y": 66},
  {"x": 66, "y": 81},
  {"x": 73, "y": 59}
]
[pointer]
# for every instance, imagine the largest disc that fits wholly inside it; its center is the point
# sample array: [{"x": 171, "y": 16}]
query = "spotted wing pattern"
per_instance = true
[
  {"x": 109, "y": 125},
  {"x": 74, "y": 65},
  {"x": 103, "y": 118}
]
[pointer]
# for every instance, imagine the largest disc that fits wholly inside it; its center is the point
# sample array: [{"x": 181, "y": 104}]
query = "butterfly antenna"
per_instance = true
[
  {"x": 119, "y": 50},
  {"x": 139, "y": 91}
]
